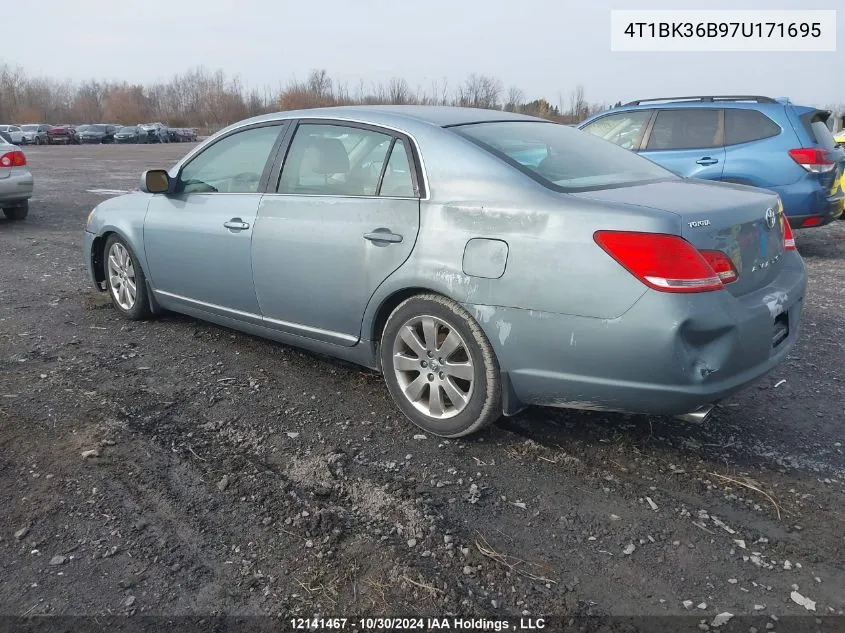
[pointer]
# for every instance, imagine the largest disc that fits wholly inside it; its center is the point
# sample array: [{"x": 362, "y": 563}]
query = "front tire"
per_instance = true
[
  {"x": 439, "y": 367},
  {"x": 125, "y": 280},
  {"x": 17, "y": 213}
]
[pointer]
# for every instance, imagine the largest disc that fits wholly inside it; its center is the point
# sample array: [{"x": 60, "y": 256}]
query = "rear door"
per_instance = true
[
  {"x": 344, "y": 215},
  {"x": 688, "y": 141}
]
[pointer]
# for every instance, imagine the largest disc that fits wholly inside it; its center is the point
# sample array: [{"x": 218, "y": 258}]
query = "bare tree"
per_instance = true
[
  {"x": 577, "y": 103},
  {"x": 513, "y": 102},
  {"x": 398, "y": 91},
  {"x": 210, "y": 99}
]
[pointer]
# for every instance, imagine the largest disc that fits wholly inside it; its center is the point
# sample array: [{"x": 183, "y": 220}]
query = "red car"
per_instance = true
[{"x": 62, "y": 135}]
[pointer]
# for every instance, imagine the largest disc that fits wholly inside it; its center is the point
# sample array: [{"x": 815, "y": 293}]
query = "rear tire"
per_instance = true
[
  {"x": 439, "y": 367},
  {"x": 17, "y": 213}
]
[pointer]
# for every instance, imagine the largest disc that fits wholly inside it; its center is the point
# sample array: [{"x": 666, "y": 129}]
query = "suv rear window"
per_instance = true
[
  {"x": 744, "y": 126},
  {"x": 562, "y": 158},
  {"x": 688, "y": 128}
]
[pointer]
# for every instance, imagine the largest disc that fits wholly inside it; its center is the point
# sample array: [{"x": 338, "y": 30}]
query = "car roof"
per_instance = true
[{"x": 441, "y": 116}]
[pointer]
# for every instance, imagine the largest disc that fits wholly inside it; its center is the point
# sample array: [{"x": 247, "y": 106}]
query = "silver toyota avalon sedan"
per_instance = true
[{"x": 481, "y": 260}]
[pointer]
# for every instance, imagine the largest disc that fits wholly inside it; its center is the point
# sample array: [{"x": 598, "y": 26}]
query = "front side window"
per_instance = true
[
  {"x": 624, "y": 129},
  {"x": 233, "y": 164},
  {"x": 689, "y": 128},
  {"x": 328, "y": 159},
  {"x": 563, "y": 158}
]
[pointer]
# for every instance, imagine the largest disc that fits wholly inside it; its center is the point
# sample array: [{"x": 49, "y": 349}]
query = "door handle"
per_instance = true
[
  {"x": 236, "y": 224},
  {"x": 383, "y": 235},
  {"x": 707, "y": 161}
]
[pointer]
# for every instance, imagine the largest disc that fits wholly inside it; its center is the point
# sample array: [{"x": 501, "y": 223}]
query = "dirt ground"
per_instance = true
[{"x": 175, "y": 467}]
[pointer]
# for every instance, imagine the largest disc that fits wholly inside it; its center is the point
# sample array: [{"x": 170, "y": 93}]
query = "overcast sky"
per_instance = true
[{"x": 543, "y": 47}]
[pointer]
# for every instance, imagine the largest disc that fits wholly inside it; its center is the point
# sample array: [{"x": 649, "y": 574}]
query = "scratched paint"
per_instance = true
[
  {"x": 504, "y": 330},
  {"x": 776, "y": 303},
  {"x": 484, "y": 313}
]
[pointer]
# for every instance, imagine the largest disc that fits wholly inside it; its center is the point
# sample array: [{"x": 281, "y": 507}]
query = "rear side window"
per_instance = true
[
  {"x": 624, "y": 129},
  {"x": 685, "y": 129},
  {"x": 397, "y": 180},
  {"x": 744, "y": 126},
  {"x": 326, "y": 159}
]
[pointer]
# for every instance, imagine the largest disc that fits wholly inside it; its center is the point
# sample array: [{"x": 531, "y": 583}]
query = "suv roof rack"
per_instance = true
[{"x": 707, "y": 99}]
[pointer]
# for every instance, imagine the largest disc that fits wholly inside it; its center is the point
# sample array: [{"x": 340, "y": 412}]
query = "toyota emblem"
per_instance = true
[{"x": 771, "y": 218}]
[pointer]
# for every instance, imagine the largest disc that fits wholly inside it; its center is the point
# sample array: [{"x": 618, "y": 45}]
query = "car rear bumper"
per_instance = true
[
  {"x": 807, "y": 205},
  {"x": 17, "y": 187},
  {"x": 668, "y": 355}
]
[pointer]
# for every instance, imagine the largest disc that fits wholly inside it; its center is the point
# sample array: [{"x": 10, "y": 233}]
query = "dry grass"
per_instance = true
[
  {"x": 512, "y": 563},
  {"x": 751, "y": 486}
]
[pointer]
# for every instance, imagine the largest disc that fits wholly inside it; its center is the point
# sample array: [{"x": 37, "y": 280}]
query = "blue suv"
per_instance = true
[{"x": 751, "y": 140}]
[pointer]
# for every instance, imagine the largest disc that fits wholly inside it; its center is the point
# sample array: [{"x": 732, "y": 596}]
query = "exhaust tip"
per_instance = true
[{"x": 699, "y": 416}]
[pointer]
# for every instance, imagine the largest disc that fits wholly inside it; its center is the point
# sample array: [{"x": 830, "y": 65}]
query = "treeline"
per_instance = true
[{"x": 210, "y": 99}]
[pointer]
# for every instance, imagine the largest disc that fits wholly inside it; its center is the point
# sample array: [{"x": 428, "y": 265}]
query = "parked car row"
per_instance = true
[
  {"x": 66, "y": 134},
  {"x": 750, "y": 140}
]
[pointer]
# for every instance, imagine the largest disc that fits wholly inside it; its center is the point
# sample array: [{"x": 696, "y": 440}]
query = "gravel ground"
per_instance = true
[{"x": 175, "y": 467}]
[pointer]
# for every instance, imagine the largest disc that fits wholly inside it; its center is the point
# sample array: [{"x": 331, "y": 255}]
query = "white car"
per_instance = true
[
  {"x": 16, "y": 182},
  {"x": 15, "y": 133}
]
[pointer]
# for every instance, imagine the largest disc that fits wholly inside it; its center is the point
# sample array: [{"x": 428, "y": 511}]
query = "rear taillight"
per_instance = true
[
  {"x": 721, "y": 265},
  {"x": 788, "y": 237},
  {"x": 13, "y": 159},
  {"x": 664, "y": 262},
  {"x": 813, "y": 220},
  {"x": 813, "y": 159}
]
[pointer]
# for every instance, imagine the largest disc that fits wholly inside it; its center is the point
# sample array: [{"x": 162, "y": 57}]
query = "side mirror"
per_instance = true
[{"x": 155, "y": 181}]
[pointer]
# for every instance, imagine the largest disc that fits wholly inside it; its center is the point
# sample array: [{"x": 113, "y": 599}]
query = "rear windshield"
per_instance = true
[{"x": 563, "y": 158}]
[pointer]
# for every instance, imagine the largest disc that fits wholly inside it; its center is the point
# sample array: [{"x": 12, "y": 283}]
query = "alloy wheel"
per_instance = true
[
  {"x": 122, "y": 276},
  {"x": 433, "y": 366}
]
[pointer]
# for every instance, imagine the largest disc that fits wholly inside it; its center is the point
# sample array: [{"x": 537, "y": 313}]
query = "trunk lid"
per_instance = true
[{"x": 717, "y": 216}]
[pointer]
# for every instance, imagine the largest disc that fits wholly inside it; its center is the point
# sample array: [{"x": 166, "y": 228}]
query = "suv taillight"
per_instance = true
[
  {"x": 813, "y": 159},
  {"x": 13, "y": 159},
  {"x": 667, "y": 262}
]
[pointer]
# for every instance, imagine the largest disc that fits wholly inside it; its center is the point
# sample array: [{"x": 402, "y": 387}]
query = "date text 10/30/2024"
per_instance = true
[{"x": 417, "y": 624}]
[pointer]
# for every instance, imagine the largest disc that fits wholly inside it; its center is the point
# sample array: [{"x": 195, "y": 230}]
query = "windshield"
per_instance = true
[
  {"x": 30, "y": 128},
  {"x": 82, "y": 128},
  {"x": 563, "y": 158},
  {"x": 127, "y": 129}
]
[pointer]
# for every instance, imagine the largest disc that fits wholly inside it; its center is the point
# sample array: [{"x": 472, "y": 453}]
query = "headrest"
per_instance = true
[{"x": 331, "y": 156}]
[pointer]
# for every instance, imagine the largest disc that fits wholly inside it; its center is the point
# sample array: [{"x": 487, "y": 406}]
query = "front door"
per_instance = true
[
  {"x": 344, "y": 216},
  {"x": 197, "y": 240}
]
